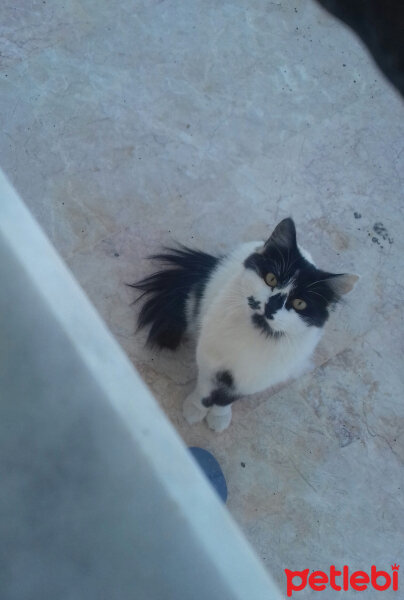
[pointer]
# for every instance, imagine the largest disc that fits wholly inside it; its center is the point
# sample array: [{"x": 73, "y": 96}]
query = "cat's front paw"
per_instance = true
[
  {"x": 219, "y": 418},
  {"x": 193, "y": 410}
]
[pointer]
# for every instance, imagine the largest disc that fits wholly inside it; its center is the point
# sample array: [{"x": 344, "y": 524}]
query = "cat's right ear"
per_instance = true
[{"x": 283, "y": 236}]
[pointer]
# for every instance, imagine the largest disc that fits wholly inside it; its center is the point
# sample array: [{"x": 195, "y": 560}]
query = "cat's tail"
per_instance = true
[{"x": 184, "y": 272}]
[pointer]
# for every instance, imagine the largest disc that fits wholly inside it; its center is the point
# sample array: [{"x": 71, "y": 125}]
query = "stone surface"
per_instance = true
[{"x": 125, "y": 126}]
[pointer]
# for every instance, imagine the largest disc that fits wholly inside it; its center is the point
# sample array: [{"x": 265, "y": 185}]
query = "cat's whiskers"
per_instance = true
[
  {"x": 317, "y": 294},
  {"x": 314, "y": 282}
]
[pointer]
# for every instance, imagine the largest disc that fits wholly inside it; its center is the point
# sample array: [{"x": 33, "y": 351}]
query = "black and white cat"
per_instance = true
[{"x": 257, "y": 315}]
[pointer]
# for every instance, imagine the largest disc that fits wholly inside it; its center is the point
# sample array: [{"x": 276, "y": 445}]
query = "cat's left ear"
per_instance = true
[
  {"x": 342, "y": 284},
  {"x": 284, "y": 235}
]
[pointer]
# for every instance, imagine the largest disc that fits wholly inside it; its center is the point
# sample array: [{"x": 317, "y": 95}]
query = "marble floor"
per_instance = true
[{"x": 127, "y": 125}]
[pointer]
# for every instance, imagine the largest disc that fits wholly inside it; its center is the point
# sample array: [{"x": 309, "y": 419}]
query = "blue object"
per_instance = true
[{"x": 212, "y": 470}]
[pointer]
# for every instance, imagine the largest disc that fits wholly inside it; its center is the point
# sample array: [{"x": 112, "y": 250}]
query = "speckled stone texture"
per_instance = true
[{"x": 127, "y": 125}]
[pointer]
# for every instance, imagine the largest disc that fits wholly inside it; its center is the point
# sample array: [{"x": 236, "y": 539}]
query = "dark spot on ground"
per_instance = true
[
  {"x": 116, "y": 254},
  {"x": 379, "y": 228},
  {"x": 243, "y": 465},
  {"x": 346, "y": 435},
  {"x": 357, "y": 215},
  {"x": 382, "y": 232}
]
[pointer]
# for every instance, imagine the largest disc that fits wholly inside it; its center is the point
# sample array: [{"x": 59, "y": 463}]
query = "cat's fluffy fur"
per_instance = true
[{"x": 250, "y": 335}]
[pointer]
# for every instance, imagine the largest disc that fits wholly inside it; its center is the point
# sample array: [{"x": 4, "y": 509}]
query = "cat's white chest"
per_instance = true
[{"x": 229, "y": 340}]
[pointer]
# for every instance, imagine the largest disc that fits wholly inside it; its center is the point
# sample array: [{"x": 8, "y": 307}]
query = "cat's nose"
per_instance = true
[{"x": 274, "y": 304}]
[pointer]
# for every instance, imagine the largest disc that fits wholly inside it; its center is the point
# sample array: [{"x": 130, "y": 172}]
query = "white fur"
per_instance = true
[{"x": 228, "y": 340}]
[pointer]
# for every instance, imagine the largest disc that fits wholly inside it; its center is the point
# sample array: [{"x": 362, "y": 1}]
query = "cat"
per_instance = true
[{"x": 257, "y": 315}]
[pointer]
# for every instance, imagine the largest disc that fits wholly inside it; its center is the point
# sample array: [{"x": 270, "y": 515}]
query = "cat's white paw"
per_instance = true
[
  {"x": 219, "y": 418},
  {"x": 193, "y": 410}
]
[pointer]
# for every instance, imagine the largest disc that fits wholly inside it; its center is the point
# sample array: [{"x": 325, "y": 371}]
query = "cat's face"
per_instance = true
[{"x": 286, "y": 292}]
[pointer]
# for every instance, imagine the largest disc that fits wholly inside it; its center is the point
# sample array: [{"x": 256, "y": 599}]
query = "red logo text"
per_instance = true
[{"x": 342, "y": 580}]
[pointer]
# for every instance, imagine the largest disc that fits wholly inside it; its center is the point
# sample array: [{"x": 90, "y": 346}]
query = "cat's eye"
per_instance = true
[
  {"x": 270, "y": 279},
  {"x": 299, "y": 304}
]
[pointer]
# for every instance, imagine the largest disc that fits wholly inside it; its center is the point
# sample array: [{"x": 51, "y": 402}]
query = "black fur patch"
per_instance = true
[
  {"x": 167, "y": 291},
  {"x": 253, "y": 303},
  {"x": 220, "y": 397},
  {"x": 225, "y": 393},
  {"x": 252, "y": 262},
  {"x": 225, "y": 378},
  {"x": 262, "y": 324},
  {"x": 274, "y": 303}
]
